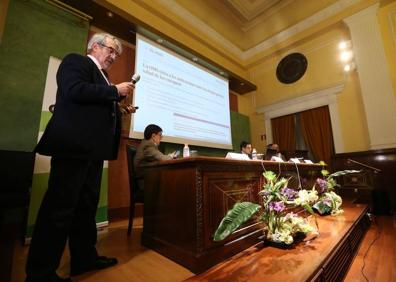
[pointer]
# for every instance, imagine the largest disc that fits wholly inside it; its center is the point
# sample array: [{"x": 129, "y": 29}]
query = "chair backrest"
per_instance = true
[{"x": 136, "y": 192}]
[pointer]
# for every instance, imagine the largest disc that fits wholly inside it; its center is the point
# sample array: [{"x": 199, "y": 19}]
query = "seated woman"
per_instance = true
[{"x": 148, "y": 152}]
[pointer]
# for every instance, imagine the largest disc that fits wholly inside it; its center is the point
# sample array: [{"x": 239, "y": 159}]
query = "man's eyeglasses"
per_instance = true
[{"x": 112, "y": 51}]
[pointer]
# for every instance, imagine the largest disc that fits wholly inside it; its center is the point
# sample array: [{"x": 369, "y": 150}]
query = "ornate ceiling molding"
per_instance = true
[
  {"x": 309, "y": 22},
  {"x": 226, "y": 46},
  {"x": 248, "y": 10},
  {"x": 256, "y": 11},
  {"x": 206, "y": 30}
]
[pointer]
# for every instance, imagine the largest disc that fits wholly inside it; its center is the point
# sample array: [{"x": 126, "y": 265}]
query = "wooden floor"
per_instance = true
[
  {"x": 376, "y": 258},
  {"x": 137, "y": 263}
]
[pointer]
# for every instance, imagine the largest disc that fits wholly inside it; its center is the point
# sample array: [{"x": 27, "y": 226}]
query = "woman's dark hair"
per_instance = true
[{"x": 150, "y": 130}]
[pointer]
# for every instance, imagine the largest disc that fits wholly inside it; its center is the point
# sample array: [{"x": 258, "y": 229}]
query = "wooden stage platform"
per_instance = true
[{"x": 326, "y": 258}]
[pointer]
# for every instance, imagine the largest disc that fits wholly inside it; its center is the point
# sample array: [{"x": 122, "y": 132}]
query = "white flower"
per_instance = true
[{"x": 305, "y": 197}]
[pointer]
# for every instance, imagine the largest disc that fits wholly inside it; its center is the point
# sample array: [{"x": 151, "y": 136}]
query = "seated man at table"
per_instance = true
[
  {"x": 148, "y": 152},
  {"x": 273, "y": 151},
  {"x": 246, "y": 149}
]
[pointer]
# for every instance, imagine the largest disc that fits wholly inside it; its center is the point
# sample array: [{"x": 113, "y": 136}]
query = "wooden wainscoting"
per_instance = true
[
  {"x": 372, "y": 186},
  {"x": 118, "y": 195}
]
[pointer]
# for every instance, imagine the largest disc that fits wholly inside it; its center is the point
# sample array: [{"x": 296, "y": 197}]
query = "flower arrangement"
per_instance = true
[
  {"x": 279, "y": 201},
  {"x": 329, "y": 202},
  {"x": 281, "y": 224}
]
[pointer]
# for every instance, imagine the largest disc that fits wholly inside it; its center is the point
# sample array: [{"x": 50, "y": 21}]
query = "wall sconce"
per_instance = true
[
  {"x": 349, "y": 67},
  {"x": 345, "y": 45},
  {"x": 346, "y": 55}
]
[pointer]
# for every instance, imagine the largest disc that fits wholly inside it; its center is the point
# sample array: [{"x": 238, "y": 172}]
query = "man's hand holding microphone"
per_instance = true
[{"x": 125, "y": 89}]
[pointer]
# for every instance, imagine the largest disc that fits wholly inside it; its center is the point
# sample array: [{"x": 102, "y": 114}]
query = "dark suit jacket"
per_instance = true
[{"x": 86, "y": 119}]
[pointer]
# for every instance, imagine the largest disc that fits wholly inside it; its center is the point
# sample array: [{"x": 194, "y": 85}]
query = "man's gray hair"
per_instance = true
[{"x": 100, "y": 38}]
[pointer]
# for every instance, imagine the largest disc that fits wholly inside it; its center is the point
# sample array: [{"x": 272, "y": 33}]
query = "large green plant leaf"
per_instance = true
[
  {"x": 235, "y": 217},
  {"x": 343, "y": 172}
]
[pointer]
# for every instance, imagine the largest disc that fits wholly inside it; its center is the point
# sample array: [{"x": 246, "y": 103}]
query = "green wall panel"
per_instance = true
[
  {"x": 34, "y": 31},
  {"x": 240, "y": 129},
  {"x": 45, "y": 117}
]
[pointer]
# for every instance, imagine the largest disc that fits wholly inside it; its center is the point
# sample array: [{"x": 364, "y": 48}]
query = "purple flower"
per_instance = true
[
  {"x": 322, "y": 185},
  {"x": 291, "y": 194},
  {"x": 265, "y": 192},
  {"x": 327, "y": 202},
  {"x": 276, "y": 206}
]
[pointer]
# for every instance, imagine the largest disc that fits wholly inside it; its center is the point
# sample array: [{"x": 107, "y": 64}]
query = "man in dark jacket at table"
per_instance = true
[{"x": 83, "y": 132}]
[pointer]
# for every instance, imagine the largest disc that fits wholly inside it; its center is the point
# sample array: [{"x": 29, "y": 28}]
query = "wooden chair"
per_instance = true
[{"x": 136, "y": 195}]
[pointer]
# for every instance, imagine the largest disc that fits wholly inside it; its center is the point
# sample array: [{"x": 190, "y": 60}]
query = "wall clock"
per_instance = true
[{"x": 291, "y": 68}]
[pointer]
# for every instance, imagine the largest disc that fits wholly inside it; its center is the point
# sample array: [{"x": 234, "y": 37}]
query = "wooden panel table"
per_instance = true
[
  {"x": 186, "y": 199},
  {"x": 326, "y": 258}
]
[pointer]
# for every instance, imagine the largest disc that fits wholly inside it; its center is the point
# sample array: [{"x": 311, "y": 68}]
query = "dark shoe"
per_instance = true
[
  {"x": 101, "y": 262},
  {"x": 52, "y": 278}
]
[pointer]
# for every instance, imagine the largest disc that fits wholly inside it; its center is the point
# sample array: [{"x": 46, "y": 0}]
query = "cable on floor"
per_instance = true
[{"x": 371, "y": 244}]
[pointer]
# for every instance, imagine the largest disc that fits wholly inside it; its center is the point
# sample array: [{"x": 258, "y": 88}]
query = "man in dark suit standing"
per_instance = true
[{"x": 83, "y": 132}]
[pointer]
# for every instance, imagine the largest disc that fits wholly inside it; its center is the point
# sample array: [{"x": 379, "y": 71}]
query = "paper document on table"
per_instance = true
[{"x": 276, "y": 159}]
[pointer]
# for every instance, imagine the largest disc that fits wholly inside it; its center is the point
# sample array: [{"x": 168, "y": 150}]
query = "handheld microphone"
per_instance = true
[{"x": 135, "y": 78}]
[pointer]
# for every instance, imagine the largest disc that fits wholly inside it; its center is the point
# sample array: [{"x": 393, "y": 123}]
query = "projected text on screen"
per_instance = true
[{"x": 191, "y": 104}]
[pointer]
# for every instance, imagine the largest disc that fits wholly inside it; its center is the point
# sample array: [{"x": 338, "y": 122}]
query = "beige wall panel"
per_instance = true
[
  {"x": 324, "y": 70},
  {"x": 387, "y": 22}
]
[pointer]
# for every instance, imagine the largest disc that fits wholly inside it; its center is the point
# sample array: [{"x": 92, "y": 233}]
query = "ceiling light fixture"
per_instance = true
[
  {"x": 346, "y": 44},
  {"x": 346, "y": 56}
]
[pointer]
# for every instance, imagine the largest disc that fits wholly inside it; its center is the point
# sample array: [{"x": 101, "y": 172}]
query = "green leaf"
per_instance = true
[
  {"x": 280, "y": 184},
  {"x": 324, "y": 172},
  {"x": 308, "y": 208},
  {"x": 269, "y": 175},
  {"x": 239, "y": 214},
  {"x": 322, "y": 208},
  {"x": 343, "y": 172}
]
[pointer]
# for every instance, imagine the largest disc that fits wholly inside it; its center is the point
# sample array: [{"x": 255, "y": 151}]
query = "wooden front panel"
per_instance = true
[
  {"x": 221, "y": 191},
  {"x": 169, "y": 209},
  {"x": 186, "y": 199}
]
